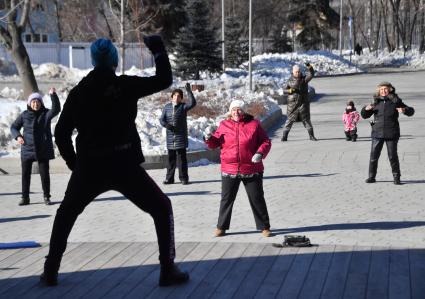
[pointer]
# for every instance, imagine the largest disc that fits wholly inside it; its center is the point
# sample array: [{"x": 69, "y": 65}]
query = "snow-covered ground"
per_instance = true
[{"x": 270, "y": 72}]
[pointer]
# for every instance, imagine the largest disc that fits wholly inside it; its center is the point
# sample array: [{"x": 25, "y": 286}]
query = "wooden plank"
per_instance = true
[
  {"x": 313, "y": 284},
  {"x": 28, "y": 277},
  {"x": 230, "y": 284},
  {"x": 356, "y": 285},
  {"x": 78, "y": 279},
  {"x": 98, "y": 276},
  {"x": 81, "y": 257},
  {"x": 399, "y": 280},
  {"x": 277, "y": 273},
  {"x": 207, "y": 286},
  {"x": 190, "y": 262},
  {"x": 378, "y": 273},
  {"x": 297, "y": 273},
  {"x": 417, "y": 272},
  {"x": 67, "y": 270},
  {"x": 5, "y": 253},
  {"x": 9, "y": 264},
  {"x": 258, "y": 272},
  {"x": 118, "y": 277},
  {"x": 201, "y": 270},
  {"x": 338, "y": 271},
  {"x": 138, "y": 276}
]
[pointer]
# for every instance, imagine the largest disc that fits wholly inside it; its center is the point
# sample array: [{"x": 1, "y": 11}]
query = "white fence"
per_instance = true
[{"x": 77, "y": 55}]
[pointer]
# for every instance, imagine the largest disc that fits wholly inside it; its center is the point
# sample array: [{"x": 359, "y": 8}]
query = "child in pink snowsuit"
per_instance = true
[{"x": 350, "y": 117}]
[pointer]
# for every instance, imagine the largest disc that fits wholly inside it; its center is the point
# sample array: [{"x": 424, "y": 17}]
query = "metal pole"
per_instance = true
[
  {"x": 340, "y": 29},
  {"x": 250, "y": 45},
  {"x": 122, "y": 39},
  {"x": 222, "y": 33}
]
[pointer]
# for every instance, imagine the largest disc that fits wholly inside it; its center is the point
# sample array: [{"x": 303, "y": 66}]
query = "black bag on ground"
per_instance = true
[{"x": 294, "y": 241}]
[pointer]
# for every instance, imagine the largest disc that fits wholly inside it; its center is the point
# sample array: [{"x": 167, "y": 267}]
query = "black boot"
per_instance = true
[
  {"x": 354, "y": 138},
  {"x": 285, "y": 136},
  {"x": 311, "y": 134},
  {"x": 370, "y": 180},
  {"x": 397, "y": 179},
  {"x": 171, "y": 275},
  {"x": 347, "y": 136},
  {"x": 24, "y": 201},
  {"x": 47, "y": 200},
  {"x": 49, "y": 278}
]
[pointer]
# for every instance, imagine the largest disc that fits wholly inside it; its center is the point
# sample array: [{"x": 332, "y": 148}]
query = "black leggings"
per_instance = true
[
  {"x": 89, "y": 180},
  {"x": 43, "y": 167}
]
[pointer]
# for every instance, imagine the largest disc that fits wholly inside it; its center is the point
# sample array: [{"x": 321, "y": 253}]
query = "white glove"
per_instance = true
[
  {"x": 257, "y": 158},
  {"x": 208, "y": 132}
]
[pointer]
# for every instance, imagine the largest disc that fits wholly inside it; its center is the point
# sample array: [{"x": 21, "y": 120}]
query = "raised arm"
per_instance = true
[
  {"x": 56, "y": 105},
  {"x": 310, "y": 72},
  {"x": 192, "y": 100}
]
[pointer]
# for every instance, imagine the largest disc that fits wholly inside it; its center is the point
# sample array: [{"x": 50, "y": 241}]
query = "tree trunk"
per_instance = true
[
  {"x": 422, "y": 29},
  {"x": 23, "y": 64}
]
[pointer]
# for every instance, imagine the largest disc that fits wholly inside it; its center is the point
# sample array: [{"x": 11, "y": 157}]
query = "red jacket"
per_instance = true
[{"x": 239, "y": 141}]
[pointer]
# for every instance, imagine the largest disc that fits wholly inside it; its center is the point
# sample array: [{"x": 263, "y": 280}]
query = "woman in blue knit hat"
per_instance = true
[{"x": 102, "y": 108}]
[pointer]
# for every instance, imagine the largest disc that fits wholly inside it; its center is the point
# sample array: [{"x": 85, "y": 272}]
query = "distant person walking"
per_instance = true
[
  {"x": 358, "y": 49},
  {"x": 36, "y": 141},
  {"x": 385, "y": 108},
  {"x": 102, "y": 108},
  {"x": 174, "y": 118},
  {"x": 298, "y": 107},
  {"x": 244, "y": 144},
  {"x": 350, "y": 118}
]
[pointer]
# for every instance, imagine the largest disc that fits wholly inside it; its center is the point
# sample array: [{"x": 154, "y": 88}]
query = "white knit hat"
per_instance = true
[
  {"x": 35, "y": 96},
  {"x": 237, "y": 103}
]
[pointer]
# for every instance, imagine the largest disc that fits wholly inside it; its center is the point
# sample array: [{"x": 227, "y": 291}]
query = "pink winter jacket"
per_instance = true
[
  {"x": 239, "y": 141},
  {"x": 350, "y": 120}
]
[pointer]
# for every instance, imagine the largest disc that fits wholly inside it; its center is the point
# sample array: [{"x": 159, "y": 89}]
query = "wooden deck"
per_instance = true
[{"x": 219, "y": 270}]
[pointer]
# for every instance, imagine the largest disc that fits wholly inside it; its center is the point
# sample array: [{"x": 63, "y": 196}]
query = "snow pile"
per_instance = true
[{"x": 411, "y": 59}]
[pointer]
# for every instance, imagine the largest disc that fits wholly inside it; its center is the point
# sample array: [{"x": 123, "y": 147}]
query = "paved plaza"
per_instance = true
[{"x": 312, "y": 188}]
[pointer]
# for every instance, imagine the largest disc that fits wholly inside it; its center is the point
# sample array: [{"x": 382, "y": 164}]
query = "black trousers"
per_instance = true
[
  {"x": 90, "y": 179},
  {"x": 181, "y": 162},
  {"x": 254, "y": 189},
  {"x": 375, "y": 153},
  {"x": 43, "y": 167},
  {"x": 307, "y": 124}
]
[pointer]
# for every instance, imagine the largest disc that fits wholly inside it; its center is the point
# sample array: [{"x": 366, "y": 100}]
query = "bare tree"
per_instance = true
[{"x": 11, "y": 38}]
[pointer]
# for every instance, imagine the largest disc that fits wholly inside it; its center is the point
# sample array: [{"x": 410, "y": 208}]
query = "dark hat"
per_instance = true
[
  {"x": 385, "y": 83},
  {"x": 103, "y": 53}
]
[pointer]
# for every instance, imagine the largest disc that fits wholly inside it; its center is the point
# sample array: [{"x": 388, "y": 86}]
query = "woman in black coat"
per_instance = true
[
  {"x": 385, "y": 108},
  {"x": 173, "y": 118},
  {"x": 36, "y": 141},
  {"x": 298, "y": 107}
]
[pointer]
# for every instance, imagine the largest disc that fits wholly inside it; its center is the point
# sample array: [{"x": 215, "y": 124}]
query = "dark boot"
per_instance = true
[
  {"x": 354, "y": 138},
  {"x": 311, "y": 134},
  {"x": 49, "y": 278},
  {"x": 370, "y": 180},
  {"x": 171, "y": 275},
  {"x": 24, "y": 201},
  {"x": 397, "y": 179},
  {"x": 347, "y": 136},
  {"x": 285, "y": 136},
  {"x": 47, "y": 201}
]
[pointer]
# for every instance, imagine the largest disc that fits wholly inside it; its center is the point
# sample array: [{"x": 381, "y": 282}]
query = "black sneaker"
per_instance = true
[
  {"x": 171, "y": 275},
  {"x": 370, "y": 180},
  {"x": 49, "y": 280},
  {"x": 168, "y": 182},
  {"x": 185, "y": 182},
  {"x": 47, "y": 201},
  {"x": 24, "y": 201}
]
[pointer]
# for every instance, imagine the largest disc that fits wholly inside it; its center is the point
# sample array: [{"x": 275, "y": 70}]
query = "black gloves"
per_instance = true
[
  {"x": 171, "y": 128},
  {"x": 154, "y": 44},
  {"x": 307, "y": 64},
  {"x": 188, "y": 88}
]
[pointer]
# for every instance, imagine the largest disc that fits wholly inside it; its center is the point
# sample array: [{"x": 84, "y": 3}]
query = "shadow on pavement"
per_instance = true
[
  {"x": 4, "y": 220},
  {"x": 307, "y": 175},
  {"x": 383, "y": 225}
]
